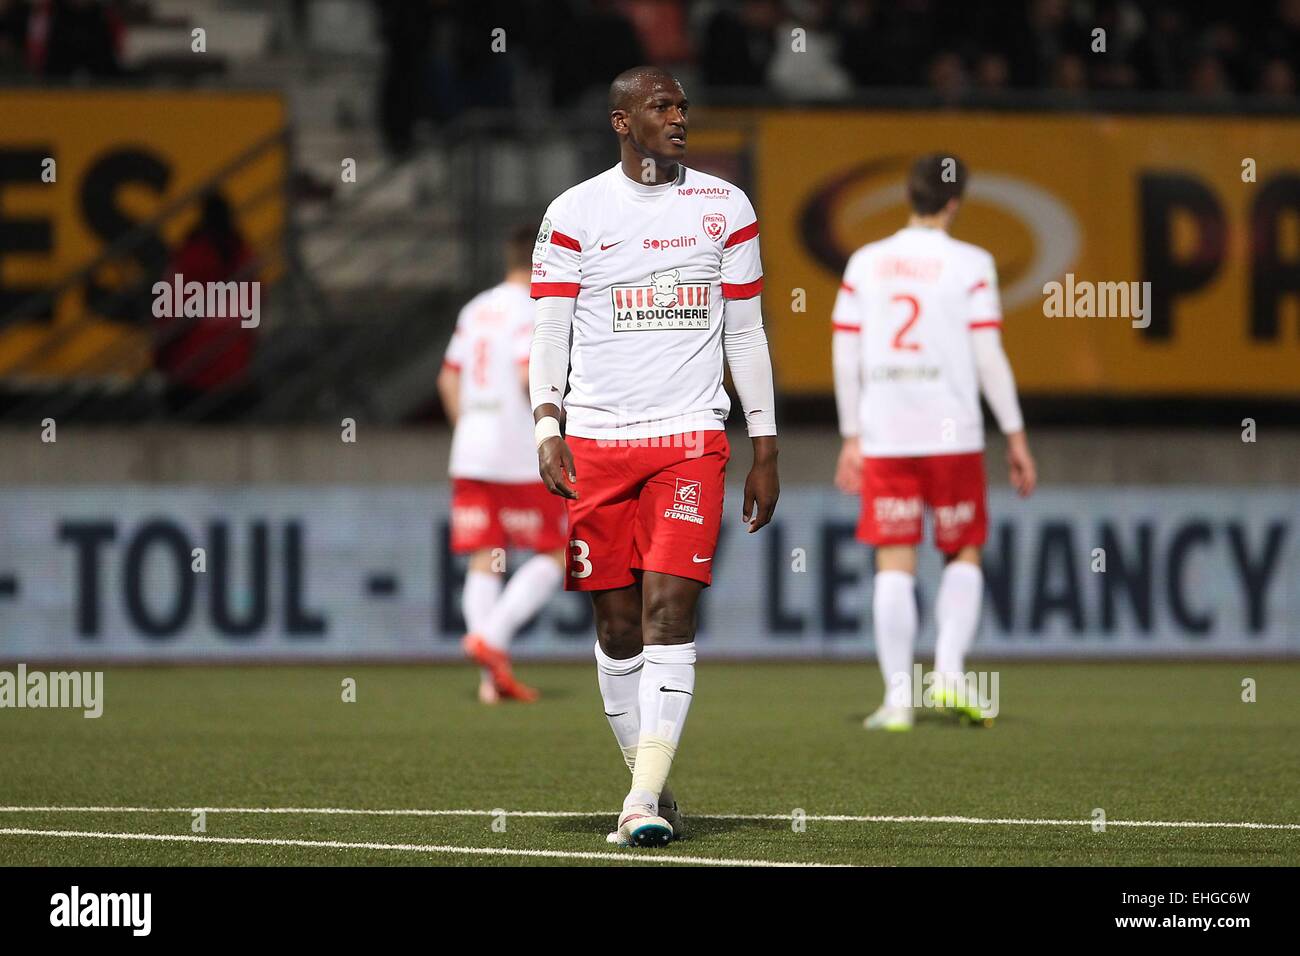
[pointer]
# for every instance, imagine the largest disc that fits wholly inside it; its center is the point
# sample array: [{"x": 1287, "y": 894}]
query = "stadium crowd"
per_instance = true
[
  {"x": 744, "y": 50},
  {"x": 437, "y": 60}
]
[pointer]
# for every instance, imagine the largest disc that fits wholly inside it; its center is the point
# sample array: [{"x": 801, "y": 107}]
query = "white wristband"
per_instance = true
[{"x": 548, "y": 427}]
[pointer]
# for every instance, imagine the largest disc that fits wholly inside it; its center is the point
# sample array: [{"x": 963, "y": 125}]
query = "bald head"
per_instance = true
[{"x": 631, "y": 87}]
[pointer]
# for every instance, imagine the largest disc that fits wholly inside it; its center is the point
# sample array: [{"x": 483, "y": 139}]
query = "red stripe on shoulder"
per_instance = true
[
  {"x": 847, "y": 288},
  {"x": 845, "y": 327},
  {"x": 744, "y": 234},
  {"x": 744, "y": 290},
  {"x": 568, "y": 242},
  {"x": 454, "y": 366},
  {"x": 986, "y": 324},
  {"x": 567, "y": 290}
]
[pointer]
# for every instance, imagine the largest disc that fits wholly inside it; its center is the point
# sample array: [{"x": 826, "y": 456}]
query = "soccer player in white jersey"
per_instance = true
[
  {"x": 497, "y": 500},
  {"x": 916, "y": 338},
  {"x": 654, "y": 270}
]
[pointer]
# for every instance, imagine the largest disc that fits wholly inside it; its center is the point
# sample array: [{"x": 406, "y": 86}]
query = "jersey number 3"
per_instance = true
[{"x": 914, "y": 308}]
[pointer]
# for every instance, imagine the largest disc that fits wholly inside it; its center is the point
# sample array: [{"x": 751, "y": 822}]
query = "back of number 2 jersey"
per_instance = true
[{"x": 914, "y": 300}]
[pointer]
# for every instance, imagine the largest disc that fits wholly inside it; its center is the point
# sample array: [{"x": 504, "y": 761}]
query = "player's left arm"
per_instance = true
[
  {"x": 745, "y": 345},
  {"x": 996, "y": 379}
]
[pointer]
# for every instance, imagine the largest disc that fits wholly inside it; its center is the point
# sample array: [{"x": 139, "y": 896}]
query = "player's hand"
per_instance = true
[
  {"x": 1024, "y": 475},
  {"x": 555, "y": 465},
  {"x": 762, "y": 486},
  {"x": 848, "y": 470}
]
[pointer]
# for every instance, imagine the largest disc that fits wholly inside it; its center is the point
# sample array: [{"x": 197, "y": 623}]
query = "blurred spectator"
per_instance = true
[
  {"x": 1164, "y": 53},
  {"x": 13, "y": 36},
  {"x": 807, "y": 64},
  {"x": 1041, "y": 38},
  {"x": 1277, "y": 79},
  {"x": 593, "y": 44},
  {"x": 199, "y": 356},
  {"x": 912, "y": 31},
  {"x": 467, "y": 69},
  {"x": 739, "y": 44},
  {"x": 1209, "y": 80},
  {"x": 661, "y": 29},
  {"x": 862, "y": 43},
  {"x": 1282, "y": 37},
  {"x": 1069, "y": 75},
  {"x": 82, "y": 38},
  {"x": 405, "y": 28},
  {"x": 992, "y": 73},
  {"x": 947, "y": 75}
]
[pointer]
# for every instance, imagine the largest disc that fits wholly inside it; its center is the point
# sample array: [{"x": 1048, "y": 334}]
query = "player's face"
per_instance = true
[{"x": 657, "y": 126}]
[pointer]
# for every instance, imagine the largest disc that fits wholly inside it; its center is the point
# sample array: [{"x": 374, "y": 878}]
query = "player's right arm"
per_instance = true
[
  {"x": 994, "y": 374},
  {"x": 557, "y": 271},
  {"x": 846, "y": 344},
  {"x": 449, "y": 374},
  {"x": 548, "y": 370}
]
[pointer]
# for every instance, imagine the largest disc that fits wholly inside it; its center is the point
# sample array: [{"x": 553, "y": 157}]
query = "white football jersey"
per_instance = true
[
  {"x": 650, "y": 268},
  {"x": 915, "y": 299},
  {"x": 493, "y": 438}
]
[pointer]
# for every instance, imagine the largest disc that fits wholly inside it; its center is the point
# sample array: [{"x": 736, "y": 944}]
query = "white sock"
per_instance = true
[
  {"x": 482, "y": 588},
  {"x": 893, "y": 610},
  {"x": 620, "y": 689},
  {"x": 527, "y": 591},
  {"x": 667, "y": 686},
  {"x": 620, "y": 686},
  {"x": 957, "y": 613}
]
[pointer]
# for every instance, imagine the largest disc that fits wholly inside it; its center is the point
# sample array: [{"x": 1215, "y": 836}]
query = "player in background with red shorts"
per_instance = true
[
  {"x": 653, "y": 270},
  {"x": 497, "y": 501},
  {"x": 916, "y": 339}
]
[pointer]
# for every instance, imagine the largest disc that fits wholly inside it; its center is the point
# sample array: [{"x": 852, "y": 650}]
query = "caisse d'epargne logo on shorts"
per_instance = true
[
  {"x": 664, "y": 303},
  {"x": 686, "y": 502}
]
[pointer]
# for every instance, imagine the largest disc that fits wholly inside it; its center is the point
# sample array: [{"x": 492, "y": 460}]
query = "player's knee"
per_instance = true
[
  {"x": 619, "y": 636},
  {"x": 669, "y": 621}
]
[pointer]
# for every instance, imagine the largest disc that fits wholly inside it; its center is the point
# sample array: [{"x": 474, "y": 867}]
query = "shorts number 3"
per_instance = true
[{"x": 581, "y": 567}]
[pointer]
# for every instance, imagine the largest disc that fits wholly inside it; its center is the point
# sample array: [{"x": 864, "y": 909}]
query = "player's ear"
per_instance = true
[{"x": 618, "y": 120}]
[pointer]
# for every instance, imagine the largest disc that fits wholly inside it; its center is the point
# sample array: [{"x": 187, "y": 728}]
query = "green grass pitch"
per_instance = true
[{"x": 1144, "y": 742}]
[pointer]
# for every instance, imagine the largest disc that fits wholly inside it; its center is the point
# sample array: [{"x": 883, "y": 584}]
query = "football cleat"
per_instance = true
[
  {"x": 510, "y": 688},
  {"x": 671, "y": 812},
  {"x": 889, "y": 718},
  {"x": 642, "y": 829},
  {"x": 505, "y": 684},
  {"x": 968, "y": 714},
  {"x": 478, "y": 650}
]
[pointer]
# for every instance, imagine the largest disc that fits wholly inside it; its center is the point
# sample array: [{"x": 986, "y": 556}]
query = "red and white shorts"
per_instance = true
[
  {"x": 492, "y": 514},
  {"x": 647, "y": 508},
  {"x": 895, "y": 492}
]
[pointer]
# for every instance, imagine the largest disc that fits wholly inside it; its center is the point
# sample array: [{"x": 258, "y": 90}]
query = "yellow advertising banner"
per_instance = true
[
  {"x": 1205, "y": 209},
  {"x": 78, "y": 170}
]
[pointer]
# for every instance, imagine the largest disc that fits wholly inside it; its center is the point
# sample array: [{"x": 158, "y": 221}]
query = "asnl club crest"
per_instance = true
[
  {"x": 664, "y": 303},
  {"x": 715, "y": 224}
]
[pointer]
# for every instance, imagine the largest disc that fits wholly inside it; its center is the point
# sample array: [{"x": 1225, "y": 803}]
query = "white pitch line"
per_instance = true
[
  {"x": 556, "y": 814},
  {"x": 403, "y": 847}
]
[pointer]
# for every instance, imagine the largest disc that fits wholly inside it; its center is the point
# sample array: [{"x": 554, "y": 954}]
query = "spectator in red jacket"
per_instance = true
[{"x": 203, "y": 355}]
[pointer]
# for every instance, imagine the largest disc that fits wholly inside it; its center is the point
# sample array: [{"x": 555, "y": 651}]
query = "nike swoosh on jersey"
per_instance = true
[
  {"x": 698, "y": 560},
  {"x": 603, "y": 247}
]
